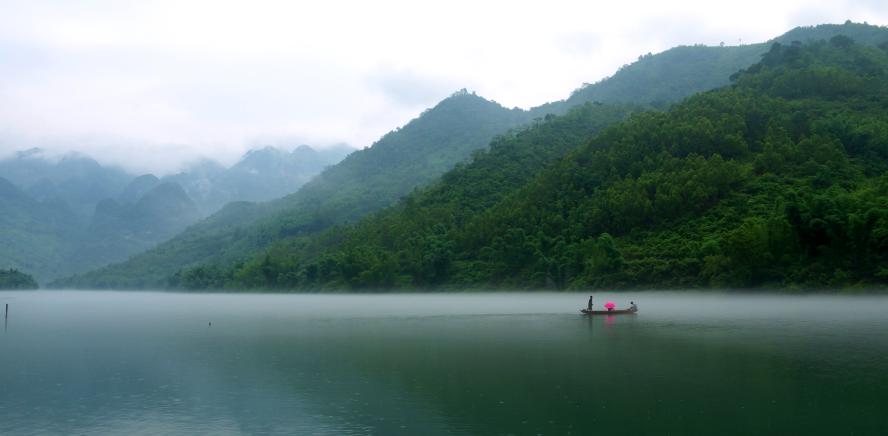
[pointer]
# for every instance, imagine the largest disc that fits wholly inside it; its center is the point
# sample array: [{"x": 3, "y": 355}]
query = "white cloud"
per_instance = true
[{"x": 211, "y": 76}]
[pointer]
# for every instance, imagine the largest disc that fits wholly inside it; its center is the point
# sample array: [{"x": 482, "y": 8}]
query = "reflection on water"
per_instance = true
[{"x": 90, "y": 362}]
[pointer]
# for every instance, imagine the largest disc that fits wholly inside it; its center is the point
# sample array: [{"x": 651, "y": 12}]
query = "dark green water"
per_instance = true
[{"x": 149, "y": 363}]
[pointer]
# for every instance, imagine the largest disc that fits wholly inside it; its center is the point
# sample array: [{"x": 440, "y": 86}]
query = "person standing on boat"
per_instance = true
[{"x": 590, "y": 302}]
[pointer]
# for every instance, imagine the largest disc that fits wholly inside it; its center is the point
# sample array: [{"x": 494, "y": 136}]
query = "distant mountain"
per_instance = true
[
  {"x": 665, "y": 78},
  {"x": 376, "y": 177},
  {"x": 119, "y": 230},
  {"x": 137, "y": 188},
  {"x": 47, "y": 239},
  {"x": 861, "y": 33},
  {"x": 71, "y": 214},
  {"x": 422, "y": 217},
  {"x": 260, "y": 175},
  {"x": 777, "y": 180},
  {"x": 14, "y": 279},
  {"x": 365, "y": 181},
  {"x": 77, "y": 180},
  {"x": 35, "y": 236}
]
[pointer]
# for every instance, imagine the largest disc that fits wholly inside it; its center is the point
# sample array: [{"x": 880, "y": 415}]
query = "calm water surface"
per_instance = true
[{"x": 151, "y": 363}]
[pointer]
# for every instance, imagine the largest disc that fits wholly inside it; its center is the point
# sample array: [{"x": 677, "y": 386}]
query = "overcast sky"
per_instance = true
[{"x": 153, "y": 84}]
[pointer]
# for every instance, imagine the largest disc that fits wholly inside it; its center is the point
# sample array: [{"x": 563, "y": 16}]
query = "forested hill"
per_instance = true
[
  {"x": 366, "y": 180},
  {"x": 687, "y": 70},
  {"x": 777, "y": 180},
  {"x": 14, "y": 279},
  {"x": 405, "y": 158},
  {"x": 509, "y": 163},
  {"x": 69, "y": 214},
  {"x": 379, "y": 176},
  {"x": 29, "y": 238}
]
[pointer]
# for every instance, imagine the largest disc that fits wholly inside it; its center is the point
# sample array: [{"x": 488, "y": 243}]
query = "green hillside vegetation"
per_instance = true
[
  {"x": 777, "y": 180},
  {"x": 72, "y": 214},
  {"x": 260, "y": 175},
  {"x": 508, "y": 164},
  {"x": 379, "y": 176},
  {"x": 49, "y": 240},
  {"x": 861, "y": 33},
  {"x": 35, "y": 234},
  {"x": 668, "y": 77},
  {"x": 75, "y": 180},
  {"x": 365, "y": 181},
  {"x": 119, "y": 230},
  {"x": 14, "y": 279},
  {"x": 687, "y": 70},
  {"x": 136, "y": 188}
]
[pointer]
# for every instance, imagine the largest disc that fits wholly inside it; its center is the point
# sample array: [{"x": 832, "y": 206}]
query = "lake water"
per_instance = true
[{"x": 688, "y": 363}]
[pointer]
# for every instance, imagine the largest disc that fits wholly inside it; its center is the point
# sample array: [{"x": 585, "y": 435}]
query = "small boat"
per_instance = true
[{"x": 609, "y": 312}]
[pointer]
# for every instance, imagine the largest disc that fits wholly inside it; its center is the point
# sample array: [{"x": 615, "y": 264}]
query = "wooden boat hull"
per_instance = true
[{"x": 609, "y": 312}]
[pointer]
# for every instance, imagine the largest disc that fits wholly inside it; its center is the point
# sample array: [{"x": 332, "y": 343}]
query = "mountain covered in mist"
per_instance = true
[
  {"x": 779, "y": 179},
  {"x": 70, "y": 214},
  {"x": 14, "y": 279},
  {"x": 76, "y": 180},
  {"x": 35, "y": 234},
  {"x": 367, "y": 180},
  {"x": 260, "y": 175},
  {"x": 668, "y": 77},
  {"x": 286, "y": 231}
]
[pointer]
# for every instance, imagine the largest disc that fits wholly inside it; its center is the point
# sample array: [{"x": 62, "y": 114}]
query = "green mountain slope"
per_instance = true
[
  {"x": 119, "y": 230},
  {"x": 14, "y": 279},
  {"x": 260, "y": 175},
  {"x": 777, "y": 180},
  {"x": 668, "y": 77},
  {"x": 138, "y": 187},
  {"x": 49, "y": 240},
  {"x": 237, "y": 233},
  {"x": 509, "y": 163},
  {"x": 366, "y": 180},
  {"x": 35, "y": 235},
  {"x": 76, "y": 180},
  {"x": 72, "y": 214}
]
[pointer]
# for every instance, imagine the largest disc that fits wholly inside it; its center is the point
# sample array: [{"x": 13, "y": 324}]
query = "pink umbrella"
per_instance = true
[{"x": 610, "y": 305}]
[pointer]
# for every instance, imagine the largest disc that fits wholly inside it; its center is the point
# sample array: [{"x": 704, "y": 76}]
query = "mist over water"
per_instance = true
[{"x": 688, "y": 363}]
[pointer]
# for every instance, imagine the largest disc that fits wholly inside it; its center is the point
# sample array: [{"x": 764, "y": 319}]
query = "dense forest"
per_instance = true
[
  {"x": 365, "y": 181},
  {"x": 508, "y": 164},
  {"x": 776, "y": 180},
  {"x": 658, "y": 80},
  {"x": 308, "y": 239},
  {"x": 14, "y": 279}
]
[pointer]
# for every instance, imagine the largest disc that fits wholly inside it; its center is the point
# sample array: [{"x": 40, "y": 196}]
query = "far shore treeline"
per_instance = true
[
  {"x": 776, "y": 180},
  {"x": 14, "y": 279}
]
